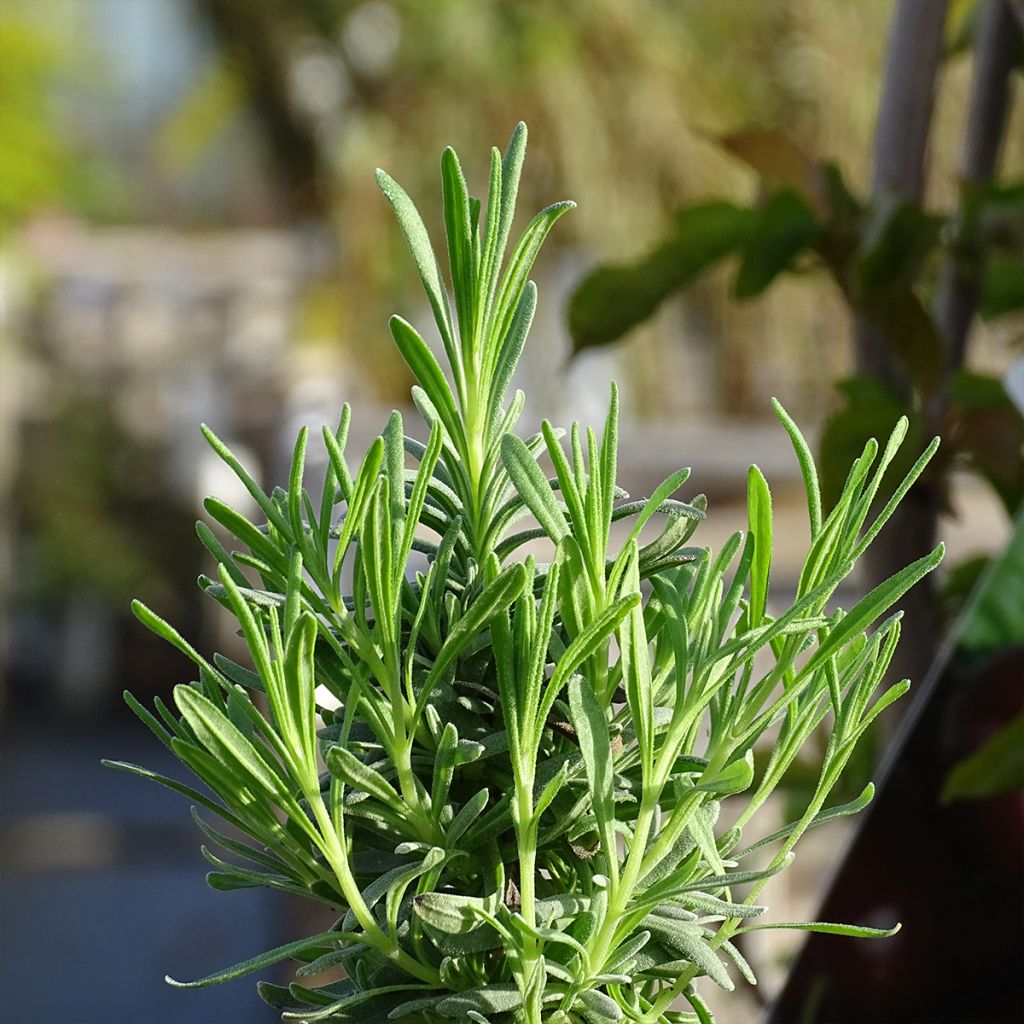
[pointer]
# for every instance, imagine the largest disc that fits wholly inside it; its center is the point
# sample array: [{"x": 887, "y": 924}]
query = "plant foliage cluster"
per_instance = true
[{"x": 512, "y": 796}]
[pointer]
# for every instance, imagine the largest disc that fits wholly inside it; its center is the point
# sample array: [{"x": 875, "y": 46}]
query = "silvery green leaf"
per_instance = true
[
  {"x": 826, "y": 928},
  {"x": 701, "y": 901},
  {"x": 492, "y": 999},
  {"x": 344, "y": 765},
  {"x": 689, "y": 942},
  {"x": 600, "y": 1005},
  {"x": 422, "y": 253},
  {"x": 740, "y": 961},
  {"x": 301, "y": 947},
  {"x": 588, "y": 719},
  {"x": 533, "y": 487}
]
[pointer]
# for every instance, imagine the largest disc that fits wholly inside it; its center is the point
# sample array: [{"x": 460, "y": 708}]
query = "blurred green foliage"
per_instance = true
[{"x": 42, "y": 165}]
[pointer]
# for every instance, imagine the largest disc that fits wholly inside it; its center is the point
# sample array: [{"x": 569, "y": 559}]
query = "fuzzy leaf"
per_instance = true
[
  {"x": 855, "y": 931},
  {"x": 533, "y": 487},
  {"x": 300, "y": 948}
]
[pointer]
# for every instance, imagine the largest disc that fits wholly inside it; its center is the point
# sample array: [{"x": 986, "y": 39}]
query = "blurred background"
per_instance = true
[{"x": 190, "y": 232}]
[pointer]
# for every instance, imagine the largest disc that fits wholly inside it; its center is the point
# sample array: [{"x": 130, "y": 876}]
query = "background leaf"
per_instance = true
[
  {"x": 997, "y": 767},
  {"x": 613, "y": 299}
]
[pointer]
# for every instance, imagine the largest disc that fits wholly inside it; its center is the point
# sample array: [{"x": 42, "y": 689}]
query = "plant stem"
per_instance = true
[
  {"x": 526, "y": 834},
  {"x": 374, "y": 934}
]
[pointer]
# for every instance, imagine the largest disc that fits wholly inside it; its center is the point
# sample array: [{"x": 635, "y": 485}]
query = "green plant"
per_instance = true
[{"x": 526, "y": 762}]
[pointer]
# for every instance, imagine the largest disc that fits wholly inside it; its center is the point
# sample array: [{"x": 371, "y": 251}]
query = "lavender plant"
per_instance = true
[{"x": 512, "y": 798}]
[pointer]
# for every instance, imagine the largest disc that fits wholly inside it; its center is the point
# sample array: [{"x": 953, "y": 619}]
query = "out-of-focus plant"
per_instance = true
[
  {"x": 883, "y": 257},
  {"x": 525, "y": 760},
  {"x": 995, "y": 623},
  {"x": 42, "y": 165}
]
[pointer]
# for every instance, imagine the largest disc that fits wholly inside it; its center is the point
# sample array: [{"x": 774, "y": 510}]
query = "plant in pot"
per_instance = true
[{"x": 504, "y": 772}]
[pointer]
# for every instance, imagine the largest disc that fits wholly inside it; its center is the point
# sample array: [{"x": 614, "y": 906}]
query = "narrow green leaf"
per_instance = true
[
  {"x": 520, "y": 263},
  {"x": 301, "y": 948},
  {"x": 460, "y": 245},
  {"x": 416, "y": 238},
  {"x": 165, "y": 630},
  {"x": 178, "y": 787},
  {"x": 591, "y": 725},
  {"x": 821, "y": 818},
  {"x": 492, "y": 999},
  {"x": 636, "y": 663},
  {"x": 468, "y": 813},
  {"x": 759, "y": 520},
  {"x": 826, "y": 928},
  {"x": 533, "y": 487},
  {"x": 806, "y": 462},
  {"x": 300, "y": 687},
  {"x": 344, "y": 765},
  {"x": 270, "y": 510},
  {"x": 506, "y": 357},
  {"x": 428, "y": 373},
  {"x": 874, "y": 604},
  {"x": 511, "y": 167},
  {"x": 688, "y": 940},
  {"x": 225, "y": 742}
]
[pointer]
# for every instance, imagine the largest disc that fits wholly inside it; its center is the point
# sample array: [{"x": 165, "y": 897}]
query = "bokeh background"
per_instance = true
[{"x": 190, "y": 232}]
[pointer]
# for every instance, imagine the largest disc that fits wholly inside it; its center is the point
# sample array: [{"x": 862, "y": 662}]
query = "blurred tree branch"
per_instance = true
[
  {"x": 901, "y": 142},
  {"x": 995, "y": 51},
  {"x": 258, "y": 38}
]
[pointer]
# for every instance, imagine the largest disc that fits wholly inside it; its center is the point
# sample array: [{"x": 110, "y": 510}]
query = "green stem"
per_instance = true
[
  {"x": 374, "y": 934},
  {"x": 622, "y": 888},
  {"x": 827, "y": 780},
  {"x": 526, "y": 836}
]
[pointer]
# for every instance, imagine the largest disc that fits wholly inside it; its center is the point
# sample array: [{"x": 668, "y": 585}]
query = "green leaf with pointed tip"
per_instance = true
[
  {"x": 701, "y": 901},
  {"x": 806, "y": 462},
  {"x": 468, "y": 813},
  {"x": 458, "y": 227},
  {"x": 821, "y": 818},
  {"x": 855, "y": 931},
  {"x": 520, "y": 264},
  {"x": 270, "y": 510},
  {"x": 687, "y": 940},
  {"x": 301, "y": 948},
  {"x": 178, "y": 787},
  {"x": 506, "y": 357},
  {"x": 874, "y": 604},
  {"x": 300, "y": 685},
  {"x": 734, "y": 778},
  {"x": 225, "y": 742},
  {"x": 511, "y": 168},
  {"x": 344, "y": 765}
]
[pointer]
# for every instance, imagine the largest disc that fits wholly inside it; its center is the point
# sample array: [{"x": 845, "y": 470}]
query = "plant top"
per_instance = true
[{"x": 503, "y": 772}]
